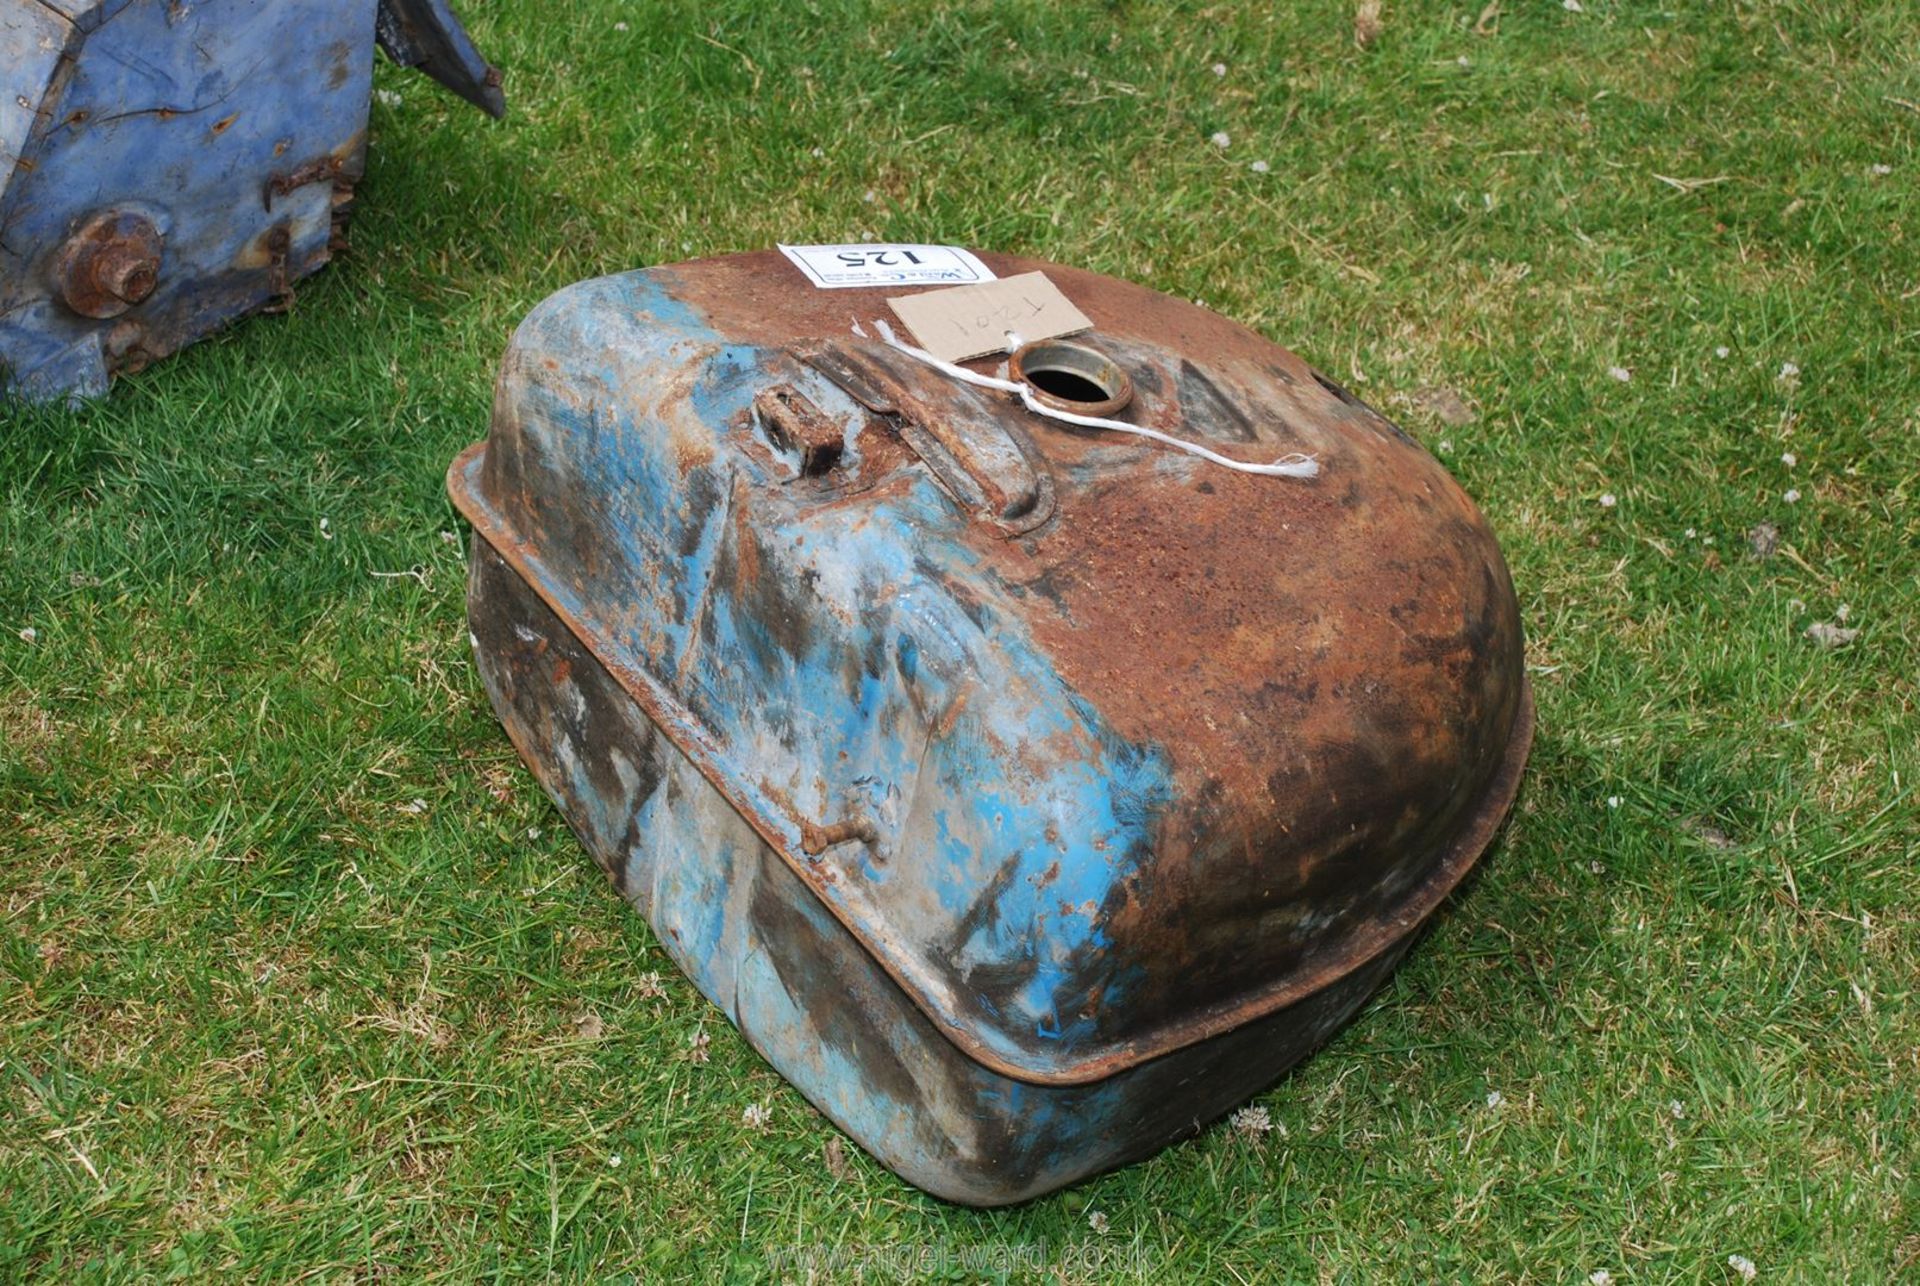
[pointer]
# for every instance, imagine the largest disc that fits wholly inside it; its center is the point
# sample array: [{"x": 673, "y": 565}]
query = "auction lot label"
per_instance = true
[{"x": 868, "y": 263}]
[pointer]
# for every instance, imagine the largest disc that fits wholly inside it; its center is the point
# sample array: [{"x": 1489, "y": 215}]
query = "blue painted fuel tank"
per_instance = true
[
  {"x": 1027, "y": 794},
  {"x": 168, "y": 167}
]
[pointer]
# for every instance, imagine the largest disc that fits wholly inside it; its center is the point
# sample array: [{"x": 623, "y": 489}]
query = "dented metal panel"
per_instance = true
[
  {"x": 1057, "y": 773},
  {"x": 165, "y": 168}
]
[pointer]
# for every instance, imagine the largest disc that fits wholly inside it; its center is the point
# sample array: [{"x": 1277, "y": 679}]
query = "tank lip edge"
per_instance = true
[{"x": 1361, "y": 945}]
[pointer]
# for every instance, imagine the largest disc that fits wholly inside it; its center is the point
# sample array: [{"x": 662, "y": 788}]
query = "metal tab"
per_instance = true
[{"x": 426, "y": 34}]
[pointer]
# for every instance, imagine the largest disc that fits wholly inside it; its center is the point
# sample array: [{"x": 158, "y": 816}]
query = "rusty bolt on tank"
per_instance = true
[{"x": 111, "y": 264}]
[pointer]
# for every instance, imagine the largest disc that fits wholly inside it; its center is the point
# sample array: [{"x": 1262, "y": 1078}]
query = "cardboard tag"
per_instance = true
[
  {"x": 867, "y": 263},
  {"x": 972, "y": 321}
]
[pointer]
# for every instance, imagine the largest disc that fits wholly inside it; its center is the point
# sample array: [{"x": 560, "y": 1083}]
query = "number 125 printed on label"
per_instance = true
[{"x": 871, "y": 264}]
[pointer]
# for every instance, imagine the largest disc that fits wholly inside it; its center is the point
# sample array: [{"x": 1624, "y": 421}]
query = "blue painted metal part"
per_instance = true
[
  {"x": 1027, "y": 797},
  {"x": 426, "y": 34},
  {"x": 166, "y": 168}
]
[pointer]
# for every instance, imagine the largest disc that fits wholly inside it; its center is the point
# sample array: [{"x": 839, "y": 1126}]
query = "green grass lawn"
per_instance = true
[{"x": 301, "y": 975}]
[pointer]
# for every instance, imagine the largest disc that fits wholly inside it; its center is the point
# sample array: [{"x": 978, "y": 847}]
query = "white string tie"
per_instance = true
[{"x": 1294, "y": 465}]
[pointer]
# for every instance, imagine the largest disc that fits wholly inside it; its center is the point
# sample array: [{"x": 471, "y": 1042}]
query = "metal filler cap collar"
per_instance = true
[{"x": 1071, "y": 377}]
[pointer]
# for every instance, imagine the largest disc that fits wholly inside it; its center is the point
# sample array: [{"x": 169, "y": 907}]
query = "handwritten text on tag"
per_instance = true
[{"x": 972, "y": 321}]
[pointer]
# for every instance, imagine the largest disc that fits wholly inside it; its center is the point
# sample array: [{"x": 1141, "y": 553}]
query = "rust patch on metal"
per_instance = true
[
  {"x": 816, "y": 839},
  {"x": 1331, "y": 695},
  {"x": 341, "y": 166},
  {"x": 320, "y": 168}
]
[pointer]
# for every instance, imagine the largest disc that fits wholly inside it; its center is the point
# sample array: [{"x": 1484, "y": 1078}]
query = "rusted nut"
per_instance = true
[
  {"x": 131, "y": 280},
  {"x": 817, "y": 839},
  {"x": 110, "y": 264},
  {"x": 124, "y": 347},
  {"x": 1071, "y": 377}
]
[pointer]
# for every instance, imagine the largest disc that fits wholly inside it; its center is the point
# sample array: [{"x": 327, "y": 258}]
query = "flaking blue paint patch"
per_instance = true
[{"x": 1036, "y": 802}]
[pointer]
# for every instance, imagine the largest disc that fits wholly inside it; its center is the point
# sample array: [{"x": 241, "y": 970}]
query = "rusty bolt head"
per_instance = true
[{"x": 109, "y": 265}]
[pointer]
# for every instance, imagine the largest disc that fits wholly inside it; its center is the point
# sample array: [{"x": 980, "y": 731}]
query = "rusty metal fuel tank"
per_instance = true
[
  {"x": 1028, "y": 794},
  {"x": 168, "y": 167}
]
